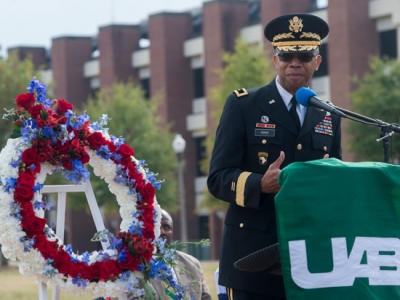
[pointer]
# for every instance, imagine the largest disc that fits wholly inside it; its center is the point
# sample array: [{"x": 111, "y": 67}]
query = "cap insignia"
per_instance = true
[{"x": 296, "y": 24}]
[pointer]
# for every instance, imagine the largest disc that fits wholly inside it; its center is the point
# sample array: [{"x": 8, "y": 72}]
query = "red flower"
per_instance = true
[
  {"x": 25, "y": 100},
  {"x": 63, "y": 106},
  {"x": 84, "y": 131},
  {"x": 125, "y": 150},
  {"x": 147, "y": 192},
  {"x": 35, "y": 110},
  {"x": 84, "y": 157},
  {"x": 67, "y": 164},
  {"x": 33, "y": 225},
  {"x": 26, "y": 178},
  {"x": 62, "y": 261},
  {"x": 111, "y": 146},
  {"x": 76, "y": 145},
  {"x": 29, "y": 156},
  {"x": 63, "y": 149},
  {"x": 23, "y": 193},
  {"x": 47, "y": 248},
  {"x": 96, "y": 140}
]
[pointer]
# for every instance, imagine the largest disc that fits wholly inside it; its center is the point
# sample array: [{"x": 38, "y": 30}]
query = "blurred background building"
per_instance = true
[{"x": 175, "y": 54}]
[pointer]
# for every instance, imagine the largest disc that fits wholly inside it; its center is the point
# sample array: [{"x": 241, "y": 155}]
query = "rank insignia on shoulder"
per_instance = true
[{"x": 240, "y": 92}]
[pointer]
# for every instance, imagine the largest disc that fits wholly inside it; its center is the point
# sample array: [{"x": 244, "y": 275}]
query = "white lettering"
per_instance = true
[{"x": 382, "y": 266}]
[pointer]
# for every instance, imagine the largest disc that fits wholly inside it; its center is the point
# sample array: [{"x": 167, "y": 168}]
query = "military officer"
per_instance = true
[{"x": 260, "y": 132}]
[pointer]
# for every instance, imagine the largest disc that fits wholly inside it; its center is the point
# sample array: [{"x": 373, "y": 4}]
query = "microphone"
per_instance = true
[{"x": 307, "y": 97}]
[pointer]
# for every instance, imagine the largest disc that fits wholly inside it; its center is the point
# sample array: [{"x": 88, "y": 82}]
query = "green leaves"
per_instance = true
[
  {"x": 15, "y": 76},
  {"x": 134, "y": 118},
  {"x": 377, "y": 97}
]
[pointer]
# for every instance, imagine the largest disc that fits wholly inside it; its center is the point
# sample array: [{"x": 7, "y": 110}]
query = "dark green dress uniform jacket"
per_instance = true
[{"x": 253, "y": 130}]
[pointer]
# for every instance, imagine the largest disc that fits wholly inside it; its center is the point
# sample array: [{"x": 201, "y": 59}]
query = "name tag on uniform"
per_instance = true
[{"x": 264, "y": 132}]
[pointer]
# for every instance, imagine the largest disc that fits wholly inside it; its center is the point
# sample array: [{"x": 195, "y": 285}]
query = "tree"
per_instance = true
[
  {"x": 133, "y": 117},
  {"x": 378, "y": 97},
  {"x": 15, "y": 76},
  {"x": 247, "y": 67}
]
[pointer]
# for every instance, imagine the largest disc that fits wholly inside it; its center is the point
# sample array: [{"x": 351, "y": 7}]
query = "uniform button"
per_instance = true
[
  {"x": 264, "y": 141},
  {"x": 325, "y": 148},
  {"x": 299, "y": 147},
  {"x": 241, "y": 225}
]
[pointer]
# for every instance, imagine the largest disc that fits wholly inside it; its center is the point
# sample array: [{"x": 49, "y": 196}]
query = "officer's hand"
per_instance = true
[
  {"x": 269, "y": 182},
  {"x": 326, "y": 156}
]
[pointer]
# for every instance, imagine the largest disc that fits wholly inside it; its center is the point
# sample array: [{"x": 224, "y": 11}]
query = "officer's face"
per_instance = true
[{"x": 296, "y": 70}]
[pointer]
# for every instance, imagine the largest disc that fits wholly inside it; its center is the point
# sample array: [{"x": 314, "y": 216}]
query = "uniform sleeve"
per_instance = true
[{"x": 227, "y": 180}]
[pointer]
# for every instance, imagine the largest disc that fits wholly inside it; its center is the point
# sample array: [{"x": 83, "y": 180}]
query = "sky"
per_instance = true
[{"x": 35, "y": 23}]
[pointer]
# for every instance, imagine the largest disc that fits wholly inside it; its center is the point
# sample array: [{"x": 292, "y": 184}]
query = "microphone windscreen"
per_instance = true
[{"x": 303, "y": 96}]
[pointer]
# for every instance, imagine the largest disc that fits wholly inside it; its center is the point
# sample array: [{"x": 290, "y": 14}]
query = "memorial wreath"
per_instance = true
[{"x": 50, "y": 137}]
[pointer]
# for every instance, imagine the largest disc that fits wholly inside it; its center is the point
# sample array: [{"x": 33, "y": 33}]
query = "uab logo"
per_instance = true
[{"x": 382, "y": 266}]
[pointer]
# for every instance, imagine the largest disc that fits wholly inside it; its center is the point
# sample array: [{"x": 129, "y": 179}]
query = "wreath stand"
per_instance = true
[{"x": 62, "y": 191}]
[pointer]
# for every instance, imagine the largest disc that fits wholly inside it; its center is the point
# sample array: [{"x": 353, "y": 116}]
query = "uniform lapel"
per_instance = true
[{"x": 271, "y": 103}]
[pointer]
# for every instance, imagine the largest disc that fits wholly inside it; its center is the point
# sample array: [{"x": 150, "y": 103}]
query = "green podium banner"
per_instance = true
[{"x": 339, "y": 230}]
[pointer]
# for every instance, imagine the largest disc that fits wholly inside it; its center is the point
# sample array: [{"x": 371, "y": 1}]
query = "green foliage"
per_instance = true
[
  {"x": 247, "y": 67},
  {"x": 133, "y": 117},
  {"x": 378, "y": 97},
  {"x": 15, "y": 76}
]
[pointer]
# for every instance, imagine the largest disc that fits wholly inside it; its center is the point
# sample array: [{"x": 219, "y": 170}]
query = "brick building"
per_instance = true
[{"x": 184, "y": 49}]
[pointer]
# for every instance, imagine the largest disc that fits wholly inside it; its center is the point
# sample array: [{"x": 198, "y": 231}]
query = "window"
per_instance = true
[
  {"x": 200, "y": 152},
  {"x": 145, "y": 82},
  {"x": 388, "y": 43},
  {"x": 198, "y": 83}
]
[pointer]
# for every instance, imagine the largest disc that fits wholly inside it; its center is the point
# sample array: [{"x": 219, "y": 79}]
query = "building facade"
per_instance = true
[{"x": 174, "y": 55}]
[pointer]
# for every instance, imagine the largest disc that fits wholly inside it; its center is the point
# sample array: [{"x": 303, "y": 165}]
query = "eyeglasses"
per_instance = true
[{"x": 303, "y": 58}]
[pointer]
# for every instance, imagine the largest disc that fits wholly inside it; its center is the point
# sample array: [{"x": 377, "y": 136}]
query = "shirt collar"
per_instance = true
[{"x": 286, "y": 96}]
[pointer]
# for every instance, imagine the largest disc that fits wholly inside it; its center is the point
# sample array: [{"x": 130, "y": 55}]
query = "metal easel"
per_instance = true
[{"x": 62, "y": 191}]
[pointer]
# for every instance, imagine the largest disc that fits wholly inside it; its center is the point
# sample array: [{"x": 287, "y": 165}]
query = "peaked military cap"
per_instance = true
[{"x": 296, "y": 33}]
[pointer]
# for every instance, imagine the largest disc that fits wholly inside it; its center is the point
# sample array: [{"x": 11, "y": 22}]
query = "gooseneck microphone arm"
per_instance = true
[
  {"x": 308, "y": 97},
  {"x": 369, "y": 121}
]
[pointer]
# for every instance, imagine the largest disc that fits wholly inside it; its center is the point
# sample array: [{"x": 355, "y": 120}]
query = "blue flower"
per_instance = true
[
  {"x": 79, "y": 281},
  {"x": 27, "y": 243},
  {"x": 15, "y": 210},
  {"x": 104, "y": 152},
  {"x": 122, "y": 255},
  {"x": 136, "y": 227},
  {"x": 48, "y": 232},
  {"x": 38, "y": 185},
  {"x": 49, "y": 271},
  {"x": 10, "y": 184},
  {"x": 95, "y": 126},
  {"x": 78, "y": 174},
  {"x": 86, "y": 257}
]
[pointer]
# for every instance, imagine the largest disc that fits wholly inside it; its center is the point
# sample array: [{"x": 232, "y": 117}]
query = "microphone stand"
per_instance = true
[{"x": 387, "y": 130}]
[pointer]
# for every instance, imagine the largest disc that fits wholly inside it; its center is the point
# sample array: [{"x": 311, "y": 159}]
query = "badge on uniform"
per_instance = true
[
  {"x": 262, "y": 158},
  {"x": 263, "y": 125},
  {"x": 325, "y": 126},
  {"x": 264, "y": 119}
]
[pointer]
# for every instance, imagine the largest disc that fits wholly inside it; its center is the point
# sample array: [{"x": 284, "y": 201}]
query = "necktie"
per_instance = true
[{"x": 293, "y": 113}]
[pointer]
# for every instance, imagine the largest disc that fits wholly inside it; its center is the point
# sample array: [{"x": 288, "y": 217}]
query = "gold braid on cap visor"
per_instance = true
[{"x": 297, "y": 45}]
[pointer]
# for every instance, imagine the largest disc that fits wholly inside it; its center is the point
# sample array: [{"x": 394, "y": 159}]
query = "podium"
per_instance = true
[{"x": 339, "y": 230}]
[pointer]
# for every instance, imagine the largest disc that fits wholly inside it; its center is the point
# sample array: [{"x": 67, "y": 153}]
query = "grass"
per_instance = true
[{"x": 14, "y": 286}]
